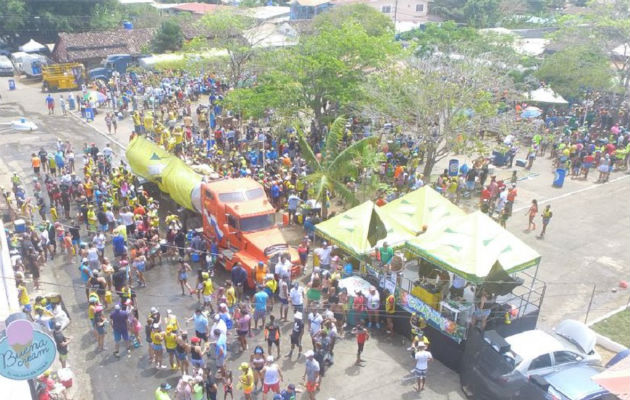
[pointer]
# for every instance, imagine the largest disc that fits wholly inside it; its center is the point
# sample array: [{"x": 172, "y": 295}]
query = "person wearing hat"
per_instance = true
[
  {"x": 362, "y": 335},
  {"x": 260, "y": 273},
  {"x": 311, "y": 374},
  {"x": 260, "y": 305},
  {"x": 422, "y": 357},
  {"x": 289, "y": 393},
  {"x": 170, "y": 342},
  {"x": 272, "y": 376},
  {"x": 246, "y": 380},
  {"x": 157, "y": 339},
  {"x": 161, "y": 393},
  {"x": 62, "y": 344}
]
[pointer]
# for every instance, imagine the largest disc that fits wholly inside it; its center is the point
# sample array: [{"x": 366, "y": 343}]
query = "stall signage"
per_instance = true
[
  {"x": 25, "y": 351},
  {"x": 433, "y": 317}
]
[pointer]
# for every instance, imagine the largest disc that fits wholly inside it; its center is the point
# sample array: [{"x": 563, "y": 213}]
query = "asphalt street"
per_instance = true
[{"x": 584, "y": 252}]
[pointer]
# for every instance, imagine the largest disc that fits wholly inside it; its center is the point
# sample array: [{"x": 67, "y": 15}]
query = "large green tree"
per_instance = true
[
  {"x": 337, "y": 163},
  {"x": 21, "y": 20},
  {"x": 323, "y": 73},
  {"x": 477, "y": 13},
  {"x": 239, "y": 34},
  {"x": 597, "y": 31},
  {"x": 444, "y": 103},
  {"x": 168, "y": 38},
  {"x": 574, "y": 70}
]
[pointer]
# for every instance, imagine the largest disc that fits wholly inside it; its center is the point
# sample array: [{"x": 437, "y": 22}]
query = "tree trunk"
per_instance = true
[{"x": 429, "y": 163}]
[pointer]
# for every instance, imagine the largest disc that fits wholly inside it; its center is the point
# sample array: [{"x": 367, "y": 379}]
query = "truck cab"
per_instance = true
[
  {"x": 113, "y": 63},
  {"x": 237, "y": 214}
]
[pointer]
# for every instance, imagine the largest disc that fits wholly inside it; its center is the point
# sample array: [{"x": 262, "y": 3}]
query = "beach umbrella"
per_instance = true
[{"x": 531, "y": 112}]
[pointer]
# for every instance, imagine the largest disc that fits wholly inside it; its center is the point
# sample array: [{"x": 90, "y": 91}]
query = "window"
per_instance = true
[
  {"x": 386, "y": 9},
  {"x": 257, "y": 223},
  {"x": 420, "y": 7},
  {"x": 565, "y": 357},
  {"x": 231, "y": 197},
  {"x": 540, "y": 362},
  {"x": 254, "y": 194}
]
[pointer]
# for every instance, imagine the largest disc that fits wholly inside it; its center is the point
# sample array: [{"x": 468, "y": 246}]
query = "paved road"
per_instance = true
[{"x": 585, "y": 246}]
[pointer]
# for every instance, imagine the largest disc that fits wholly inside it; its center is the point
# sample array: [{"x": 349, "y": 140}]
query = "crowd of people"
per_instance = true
[{"x": 94, "y": 213}]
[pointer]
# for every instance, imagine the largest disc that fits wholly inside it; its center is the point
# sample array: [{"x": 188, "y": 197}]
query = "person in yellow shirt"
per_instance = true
[
  {"x": 170, "y": 342},
  {"x": 207, "y": 290},
  {"x": 91, "y": 217},
  {"x": 246, "y": 380},
  {"x": 157, "y": 337},
  {"x": 148, "y": 122},
  {"x": 230, "y": 295},
  {"x": 23, "y": 297},
  {"x": 390, "y": 310}
]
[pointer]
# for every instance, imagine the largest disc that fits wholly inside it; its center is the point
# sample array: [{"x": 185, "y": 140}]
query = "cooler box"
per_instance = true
[
  {"x": 521, "y": 163},
  {"x": 285, "y": 219},
  {"x": 65, "y": 377},
  {"x": 20, "y": 226},
  {"x": 194, "y": 257}
]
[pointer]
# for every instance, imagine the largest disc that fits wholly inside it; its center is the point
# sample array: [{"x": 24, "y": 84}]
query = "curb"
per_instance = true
[
  {"x": 105, "y": 135},
  {"x": 605, "y": 341}
]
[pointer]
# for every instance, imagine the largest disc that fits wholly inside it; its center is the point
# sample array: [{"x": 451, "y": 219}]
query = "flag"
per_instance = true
[{"x": 376, "y": 230}]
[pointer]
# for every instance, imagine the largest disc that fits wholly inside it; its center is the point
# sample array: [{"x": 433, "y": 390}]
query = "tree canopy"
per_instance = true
[
  {"x": 21, "y": 20},
  {"x": 168, "y": 38},
  {"x": 323, "y": 72},
  {"x": 477, "y": 13},
  {"x": 444, "y": 103}
]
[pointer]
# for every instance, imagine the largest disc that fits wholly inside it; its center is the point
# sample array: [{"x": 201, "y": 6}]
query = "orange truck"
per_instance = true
[
  {"x": 237, "y": 213},
  {"x": 234, "y": 212}
]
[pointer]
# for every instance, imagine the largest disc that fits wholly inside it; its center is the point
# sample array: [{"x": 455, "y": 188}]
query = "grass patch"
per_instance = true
[{"x": 616, "y": 327}]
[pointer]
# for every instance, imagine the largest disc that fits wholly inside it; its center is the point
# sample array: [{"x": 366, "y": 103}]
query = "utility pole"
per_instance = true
[{"x": 395, "y": 14}]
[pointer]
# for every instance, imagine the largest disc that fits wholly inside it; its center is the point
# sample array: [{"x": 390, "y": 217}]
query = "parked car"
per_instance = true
[
  {"x": 6, "y": 66},
  {"x": 573, "y": 383},
  {"x": 498, "y": 366}
]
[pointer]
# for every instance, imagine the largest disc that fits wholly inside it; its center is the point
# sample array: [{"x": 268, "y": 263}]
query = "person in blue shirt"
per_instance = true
[
  {"x": 260, "y": 306},
  {"x": 220, "y": 348},
  {"x": 275, "y": 194},
  {"x": 201, "y": 324},
  {"x": 118, "y": 242}
]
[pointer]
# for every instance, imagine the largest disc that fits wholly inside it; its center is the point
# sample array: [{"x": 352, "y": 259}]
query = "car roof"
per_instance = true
[
  {"x": 575, "y": 382},
  {"x": 531, "y": 344}
]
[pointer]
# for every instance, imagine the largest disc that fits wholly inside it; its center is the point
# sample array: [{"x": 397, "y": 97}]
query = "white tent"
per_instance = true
[
  {"x": 544, "y": 95},
  {"x": 32, "y": 47}
]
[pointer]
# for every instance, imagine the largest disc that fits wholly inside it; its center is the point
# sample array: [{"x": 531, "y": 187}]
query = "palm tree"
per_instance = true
[{"x": 336, "y": 164}]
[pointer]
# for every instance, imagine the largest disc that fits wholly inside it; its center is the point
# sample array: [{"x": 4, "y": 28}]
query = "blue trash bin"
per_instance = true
[
  {"x": 71, "y": 102},
  {"x": 453, "y": 167},
  {"x": 558, "y": 179},
  {"x": 11, "y": 84}
]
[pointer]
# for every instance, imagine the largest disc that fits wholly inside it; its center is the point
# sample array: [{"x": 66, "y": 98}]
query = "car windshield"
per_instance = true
[{"x": 257, "y": 223}]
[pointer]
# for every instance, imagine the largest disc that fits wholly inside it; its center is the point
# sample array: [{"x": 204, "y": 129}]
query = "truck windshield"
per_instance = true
[
  {"x": 257, "y": 223},
  {"x": 235, "y": 197}
]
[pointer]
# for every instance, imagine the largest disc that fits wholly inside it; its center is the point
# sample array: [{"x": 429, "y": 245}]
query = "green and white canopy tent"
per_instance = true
[
  {"x": 422, "y": 207},
  {"x": 470, "y": 245},
  {"x": 358, "y": 230}
]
